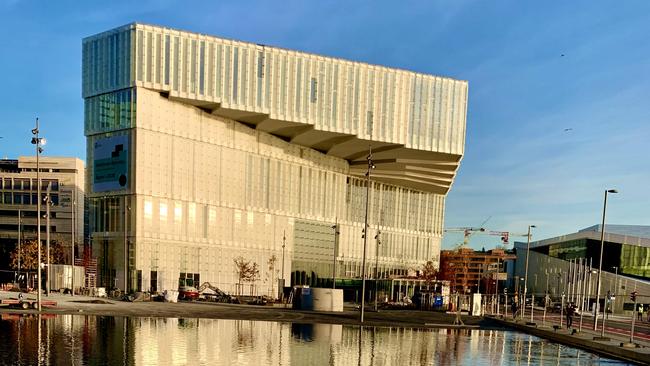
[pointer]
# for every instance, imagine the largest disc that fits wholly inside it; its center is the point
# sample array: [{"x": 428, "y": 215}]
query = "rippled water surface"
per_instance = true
[{"x": 106, "y": 340}]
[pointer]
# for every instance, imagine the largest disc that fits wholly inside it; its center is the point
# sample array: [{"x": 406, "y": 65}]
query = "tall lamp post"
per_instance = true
[
  {"x": 336, "y": 240},
  {"x": 20, "y": 223},
  {"x": 126, "y": 246},
  {"x": 284, "y": 244},
  {"x": 371, "y": 166},
  {"x": 600, "y": 265},
  {"x": 615, "y": 286},
  {"x": 39, "y": 142},
  {"x": 47, "y": 202},
  {"x": 378, "y": 239},
  {"x": 526, "y": 272},
  {"x": 74, "y": 227}
]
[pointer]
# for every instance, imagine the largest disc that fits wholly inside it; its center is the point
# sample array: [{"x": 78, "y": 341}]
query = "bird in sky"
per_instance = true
[{"x": 568, "y": 129}]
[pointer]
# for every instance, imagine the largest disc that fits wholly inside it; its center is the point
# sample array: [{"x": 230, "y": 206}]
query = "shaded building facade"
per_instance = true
[{"x": 558, "y": 265}]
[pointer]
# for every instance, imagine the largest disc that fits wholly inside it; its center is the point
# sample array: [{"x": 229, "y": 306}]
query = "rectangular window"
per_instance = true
[
  {"x": 193, "y": 68},
  {"x": 202, "y": 69},
  {"x": 154, "y": 281},
  {"x": 140, "y": 63},
  {"x": 177, "y": 56},
  {"x": 369, "y": 123},
  {"x": 167, "y": 56},
  {"x": 217, "y": 71},
  {"x": 210, "y": 69},
  {"x": 244, "y": 77},
  {"x": 159, "y": 47},
  {"x": 185, "y": 60},
  {"x": 260, "y": 76},
  {"x": 235, "y": 72},
  {"x": 313, "y": 94},
  {"x": 149, "y": 56},
  {"x": 298, "y": 85}
]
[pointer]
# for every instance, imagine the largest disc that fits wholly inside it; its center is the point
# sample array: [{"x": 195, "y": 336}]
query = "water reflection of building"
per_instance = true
[{"x": 100, "y": 340}]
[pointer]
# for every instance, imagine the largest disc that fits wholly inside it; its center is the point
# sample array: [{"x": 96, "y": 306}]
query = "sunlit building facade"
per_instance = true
[
  {"x": 202, "y": 149},
  {"x": 19, "y": 197}
]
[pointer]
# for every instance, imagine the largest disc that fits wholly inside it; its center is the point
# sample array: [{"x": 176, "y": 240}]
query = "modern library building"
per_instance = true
[{"x": 202, "y": 150}]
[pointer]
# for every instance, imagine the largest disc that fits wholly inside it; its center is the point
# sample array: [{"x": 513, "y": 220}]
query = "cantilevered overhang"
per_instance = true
[{"x": 427, "y": 171}]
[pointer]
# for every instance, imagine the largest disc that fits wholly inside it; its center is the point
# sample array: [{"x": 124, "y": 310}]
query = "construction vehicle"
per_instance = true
[{"x": 212, "y": 293}]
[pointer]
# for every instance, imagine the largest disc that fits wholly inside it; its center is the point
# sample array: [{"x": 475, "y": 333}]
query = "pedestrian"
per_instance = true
[
  {"x": 639, "y": 309},
  {"x": 569, "y": 315},
  {"x": 514, "y": 309}
]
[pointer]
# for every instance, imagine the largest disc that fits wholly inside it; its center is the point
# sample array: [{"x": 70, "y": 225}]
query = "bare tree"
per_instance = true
[
  {"x": 247, "y": 271},
  {"x": 273, "y": 260}
]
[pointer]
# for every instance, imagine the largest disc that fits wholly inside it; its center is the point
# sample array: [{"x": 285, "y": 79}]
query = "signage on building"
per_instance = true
[{"x": 111, "y": 164}]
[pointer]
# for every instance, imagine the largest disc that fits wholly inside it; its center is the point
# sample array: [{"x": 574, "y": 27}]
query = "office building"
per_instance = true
[
  {"x": 560, "y": 265},
  {"x": 470, "y": 271},
  {"x": 203, "y": 149},
  {"x": 18, "y": 198}
]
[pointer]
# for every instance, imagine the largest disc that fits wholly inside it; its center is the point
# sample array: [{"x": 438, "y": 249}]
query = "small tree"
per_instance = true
[
  {"x": 429, "y": 273},
  {"x": 247, "y": 271},
  {"x": 29, "y": 254},
  {"x": 272, "y": 263}
]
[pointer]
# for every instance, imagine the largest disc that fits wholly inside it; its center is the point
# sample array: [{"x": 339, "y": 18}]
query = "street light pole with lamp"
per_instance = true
[
  {"x": 284, "y": 244},
  {"x": 615, "y": 282},
  {"x": 600, "y": 265},
  {"x": 526, "y": 272},
  {"x": 39, "y": 142},
  {"x": 371, "y": 166},
  {"x": 335, "y": 227}
]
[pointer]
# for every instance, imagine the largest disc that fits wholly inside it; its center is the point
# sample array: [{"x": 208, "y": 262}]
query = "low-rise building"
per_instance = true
[{"x": 471, "y": 271}]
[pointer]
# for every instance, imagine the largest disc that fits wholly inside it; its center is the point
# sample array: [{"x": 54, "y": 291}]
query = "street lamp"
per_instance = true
[
  {"x": 126, "y": 246},
  {"x": 72, "y": 246},
  {"x": 39, "y": 142},
  {"x": 48, "y": 203},
  {"x": 526, "y": 274},
  {"x": 371, "y": 165},
  {"x": 378, "y": 239},
  {"x": 284, "y": 243},
  {"x": 600, "y": 264},
  {"x": 335, "y": 227}
]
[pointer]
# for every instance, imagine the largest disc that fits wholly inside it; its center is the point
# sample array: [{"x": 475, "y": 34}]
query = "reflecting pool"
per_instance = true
[{"x": 107, "y": 340}]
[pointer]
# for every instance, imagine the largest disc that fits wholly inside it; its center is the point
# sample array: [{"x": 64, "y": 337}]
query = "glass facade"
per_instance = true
[
  {"x": 205, "y": 188},
  {"x": 423, "y": 112}
]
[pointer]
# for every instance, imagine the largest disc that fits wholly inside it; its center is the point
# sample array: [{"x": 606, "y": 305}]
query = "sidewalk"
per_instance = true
[{"x": 585, "y": 339}]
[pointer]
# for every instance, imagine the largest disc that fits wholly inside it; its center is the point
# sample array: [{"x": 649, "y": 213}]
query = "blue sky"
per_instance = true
[{"x": 534, "y": 70}]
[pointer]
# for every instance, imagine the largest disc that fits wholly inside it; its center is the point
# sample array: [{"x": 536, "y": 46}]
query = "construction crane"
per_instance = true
[{"x": 469, "y": 231}]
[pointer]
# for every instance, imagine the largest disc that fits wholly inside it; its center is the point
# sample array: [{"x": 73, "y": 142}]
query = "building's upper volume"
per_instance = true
[{"x": 414, "y": 122}]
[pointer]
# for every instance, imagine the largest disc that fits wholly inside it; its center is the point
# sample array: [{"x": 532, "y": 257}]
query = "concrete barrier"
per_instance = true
[{"x": 327, "y": 299}]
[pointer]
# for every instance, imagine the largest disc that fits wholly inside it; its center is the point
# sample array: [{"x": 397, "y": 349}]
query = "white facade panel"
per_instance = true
[{"x": 207, "y": 188}]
